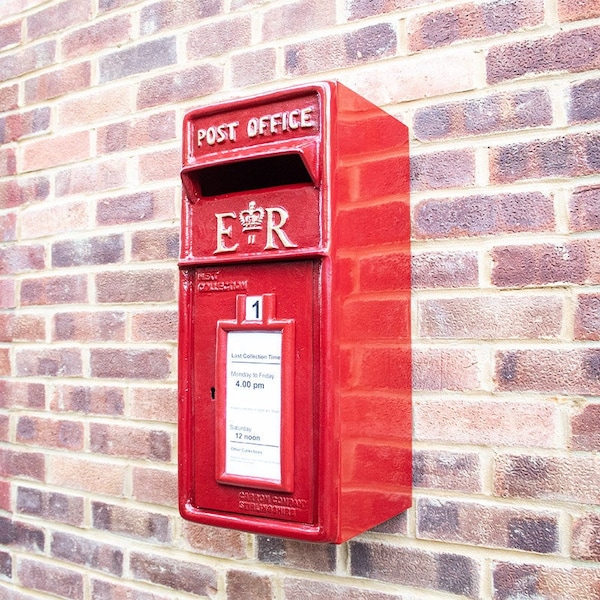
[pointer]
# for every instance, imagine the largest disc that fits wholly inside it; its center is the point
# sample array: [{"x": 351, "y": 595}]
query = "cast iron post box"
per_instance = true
[{"x": 294, "y": 354}]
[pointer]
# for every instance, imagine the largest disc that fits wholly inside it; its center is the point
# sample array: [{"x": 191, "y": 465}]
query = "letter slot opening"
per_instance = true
[{"x": 252, "y": 174}]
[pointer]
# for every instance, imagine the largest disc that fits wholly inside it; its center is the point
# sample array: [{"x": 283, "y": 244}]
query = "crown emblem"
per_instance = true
[{"x": 252, "y": 218}]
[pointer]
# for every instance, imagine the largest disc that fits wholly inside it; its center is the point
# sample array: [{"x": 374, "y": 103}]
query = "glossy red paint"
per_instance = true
[{"x": 284, "y": 427}]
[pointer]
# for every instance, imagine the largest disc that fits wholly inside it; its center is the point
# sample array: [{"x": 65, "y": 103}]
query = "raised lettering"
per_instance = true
[
  {"x": 223, "y": 231},
  {"x": 274, "y": 228}
]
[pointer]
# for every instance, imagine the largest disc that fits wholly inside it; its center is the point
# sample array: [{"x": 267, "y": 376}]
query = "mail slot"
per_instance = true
[{"x": 294, "y": 335}]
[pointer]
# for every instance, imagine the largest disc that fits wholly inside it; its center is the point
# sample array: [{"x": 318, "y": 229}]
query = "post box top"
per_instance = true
[{"x": 270, "y": 120}]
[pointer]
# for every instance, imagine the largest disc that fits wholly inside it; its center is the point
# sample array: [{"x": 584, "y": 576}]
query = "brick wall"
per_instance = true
[{"x": 502, "y": 98}]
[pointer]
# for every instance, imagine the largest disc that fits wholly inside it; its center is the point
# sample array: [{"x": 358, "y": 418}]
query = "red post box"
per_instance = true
[{"x": 294, "y": 349}]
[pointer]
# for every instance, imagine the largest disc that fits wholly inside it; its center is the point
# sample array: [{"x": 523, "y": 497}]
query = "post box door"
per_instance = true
[{"x": 254, "y": 382}]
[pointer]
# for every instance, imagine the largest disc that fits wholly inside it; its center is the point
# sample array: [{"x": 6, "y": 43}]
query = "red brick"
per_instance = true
[
  {"x": 64, "y": 149},
  {"x": 584, "y": 209},
  {"x": 15, "y": 192},
  {"x": 88, "y": 251},
  {"x": 105, "y": 6},
  {"x": 149, "y": 285},
  {"x": 491, "y": 317},
  {"x": 19, "y": 535},
  {"x": 22, "y": 328},
  {"x": 25, "y": 124},
  {"x": 9, "y": 97},
  {"x": 30, "y": 465},
  {"x": 216, "y": 38},
  {"x": 587, "y": 317},
  {"x": 154, "y": 404},
  {"x": 5, "y": 362},
  {"x": 160, "y": 165},
  {"x": 95, "y": 106},
  {"x": 176, "y": 86},
  {"x": 570, "y": 155},
  {"x": 483, "y": 215},
  {"x": 446, "y": 470},
  {"x": 585, "y": 428},
  {"x": 253, "y": 66},
  {"x": 49, "y": 362},
  {"x": 301, "y": 589},
  {"x": 59, "y": 82},
  {"x": 20, "y": 394},
  {"x": 472, "y": 21},
  {"x": 214, "y": 540},
  {"x": 99, "y": 400},
  {"x": 297, "y": 555},
  {"x": 155, "y": 244},
  {"x": 487, "y": 525},
  {"x": 577, "y": 10},
  {"x": 50, "y": 433},
  {"x": 555, "y": 371},
  {"x": 85, "y": 474},
  {"x": 176, "y": 574},
  {"x": 155, "y": 486},
  {"x": 29, "y": 59},
  {"x": 130, "y": 442},
  {"x": 301, "y": 16},
  {"x": 108, "y": 590},
  {"x": 241, "y": 584},
  {"x": 585, "y": 541},
  {"x": 86, "y": 326},
  {"x": 356, "y": 47},
  {"x": 170, "y": 14},
  {"x": 92, "y": 178},
  {"x": 130, "y": 364},
  {"x": 65, "y": 289},
  {"x": 8, "y": 162},
  {"x": 50, "y": 506},
  {"x": 18, "y": 259},
  {"x": 397, "y": 525},
  {"x": 451, "y": 573},
  {"x": 572, "y": 51},
  {"x": 445, "y": 369},
  {"x": 358, "y": 9},
  {"x": 131, "y": 208},
  {"x": 89, "y": 553},
  {"x": 155, "y": 326},
  {"x": 41, "y": 220},
  {"x": 96, "y": 37},
  {"x": 486, "y": 422},
  {"x": 57, "y": 17},
  {"x": 7, "y": 293},
  {"x": 574, "y": 478},
  {"x": 139, "y": 58},
  {"x": 583, "y": 102},
  {"x": 497, "y": 112},
  {"x": 131, "y": 134},
  {"x": 441, "y": 170},
  {"x": 512, "y": 581},
  {"x": 539, "y": 264},
  {"x": 10, "y": 34},
  {"x": 131, "y": 522},
  {"x": 5, "y": 495},
  {"x": 439, "y": 269},
  {"x": 4, "y": 428},
  {"x": 50, "y": 578}
]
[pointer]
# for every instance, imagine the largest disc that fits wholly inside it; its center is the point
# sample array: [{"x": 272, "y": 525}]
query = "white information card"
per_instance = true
[{"x": 253, "y": 404}]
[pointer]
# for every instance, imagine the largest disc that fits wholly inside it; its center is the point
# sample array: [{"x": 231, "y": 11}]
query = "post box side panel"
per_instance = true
[
  {"x": 215, "y": 296},
  {"x": 370, "y": 314}
]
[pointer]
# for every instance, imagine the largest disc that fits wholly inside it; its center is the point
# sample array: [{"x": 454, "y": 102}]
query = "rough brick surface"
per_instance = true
[{"x": 501, "y": 99}]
